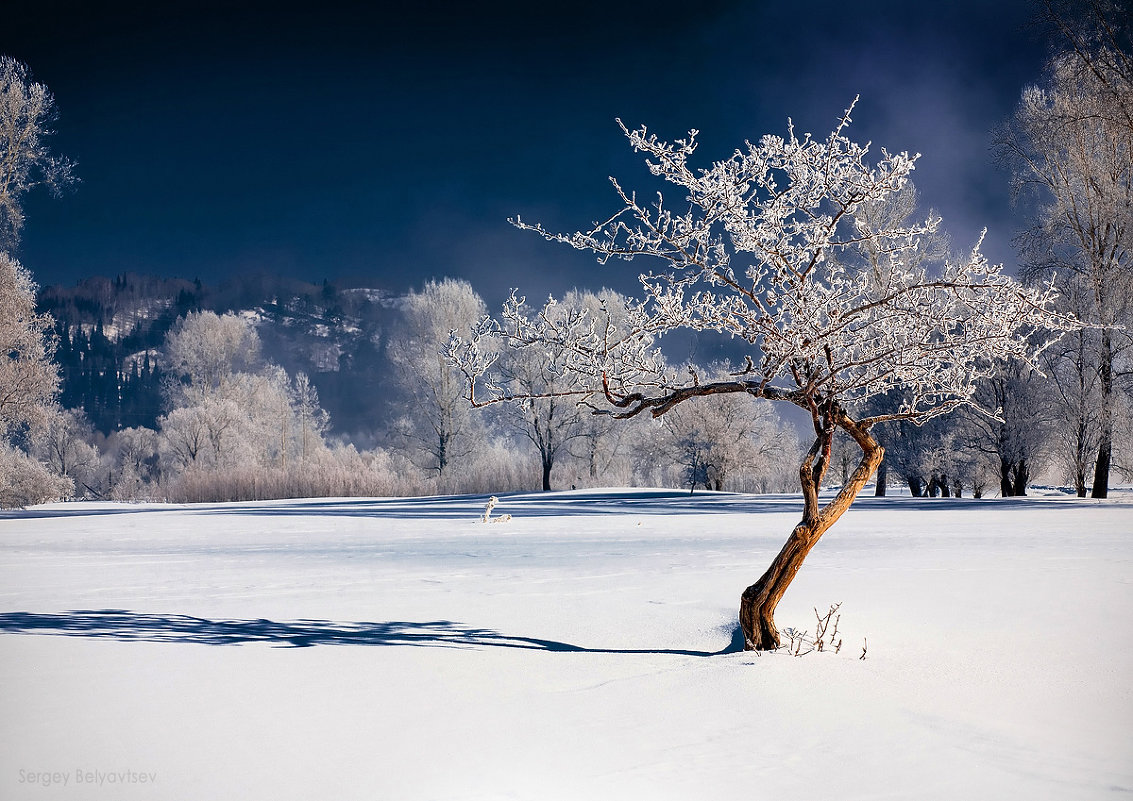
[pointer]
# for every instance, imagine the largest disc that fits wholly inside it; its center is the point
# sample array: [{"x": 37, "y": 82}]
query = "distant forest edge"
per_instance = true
[
  {"x": 269, "y": 387},
  {"x": 111, "y": 332}
]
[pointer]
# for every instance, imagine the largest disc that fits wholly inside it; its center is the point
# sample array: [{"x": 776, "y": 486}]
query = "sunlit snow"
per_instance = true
[{"x": 403, "y": 649}]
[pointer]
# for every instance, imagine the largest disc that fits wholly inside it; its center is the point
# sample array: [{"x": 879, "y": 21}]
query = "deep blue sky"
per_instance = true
[{"x": 342, "y": 140}]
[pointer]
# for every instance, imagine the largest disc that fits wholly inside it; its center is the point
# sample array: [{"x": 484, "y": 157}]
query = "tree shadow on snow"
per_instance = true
[{"x": 124, "y": 625}]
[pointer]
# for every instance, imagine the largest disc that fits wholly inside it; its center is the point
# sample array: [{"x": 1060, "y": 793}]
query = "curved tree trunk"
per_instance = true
[{"x": 758, "y": 602}]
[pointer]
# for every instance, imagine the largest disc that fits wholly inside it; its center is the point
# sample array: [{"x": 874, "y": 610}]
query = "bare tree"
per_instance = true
[
  {"x": 1070, "y": 148},
  {"x": 1097, "y": 36},
  {"x": 27, "y": 110},
  {"x": 764, "y": 251},
  {"x": 1075, "y": 391},
  {"x": 1016, "y": 442}
]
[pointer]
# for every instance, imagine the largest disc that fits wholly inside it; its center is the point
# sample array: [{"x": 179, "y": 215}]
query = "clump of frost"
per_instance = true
[{"x": 487, "y": 516}]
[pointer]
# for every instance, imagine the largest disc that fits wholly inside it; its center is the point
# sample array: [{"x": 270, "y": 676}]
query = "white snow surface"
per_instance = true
[{"x": 402, "y": 649}]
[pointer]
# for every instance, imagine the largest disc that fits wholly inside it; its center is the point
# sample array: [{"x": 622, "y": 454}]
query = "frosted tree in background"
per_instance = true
[
  {"x": 715, "y": 440},
  {"x": 227, "y": 409},
  {"x": 546, "y": 415},
  {"x": 132, "y": 457},
  {"x": 27, "y": 110},
  {"x": 204, "y": 350},
  {"x": 29, "y": 378},
  {"x": 1070, "y": 148},
  {"x": 437, "y": 427},
  {"x": 64, "y": 446},
  {"x": 311, "y": 419},
  {"x": 766, "y": 246},
  {"x": 1016, "y": 442}
]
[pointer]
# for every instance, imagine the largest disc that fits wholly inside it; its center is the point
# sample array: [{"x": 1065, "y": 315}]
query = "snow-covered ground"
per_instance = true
[{"x": 401, "y": 649}]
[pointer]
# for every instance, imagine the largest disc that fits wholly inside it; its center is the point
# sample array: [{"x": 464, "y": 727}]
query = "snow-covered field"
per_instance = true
[{"x": 401, "y": 649}]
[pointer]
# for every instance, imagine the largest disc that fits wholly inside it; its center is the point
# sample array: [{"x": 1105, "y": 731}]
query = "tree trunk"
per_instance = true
[
  {"x": 882, "y": 478},
  {"x": 442, "y": 453},
  {"x": 758, "y": 602},
  {"x": 547, "y": 463},
  {"x": 1101, "y": 468},
  {"x": 1105, "y": 418},
  {"x": 1022, "y": 477},
  {"x": 1005, "y": 489}
]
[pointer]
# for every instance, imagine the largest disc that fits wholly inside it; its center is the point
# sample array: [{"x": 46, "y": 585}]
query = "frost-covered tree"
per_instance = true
[
  {"x": 1097, "y": 36},
  {"x": 226, "y": 408},
  {"x": 29, "y": 378},
  {"x": 247, "y": 421},
  {"x": 132, "y": 462},
  {"x": 1016, "y": 441},
  {"x": 1075, "y": 391},
  {"x": 1070, "y": 148},
  {"x": 546, "y": 415},
  {"x": 64, "y": 445},
  {"x": 766, "y": 247},
  {"x": 25, "y": 481},
  {"x": 437, "y": 428},
  {"x": 204, "y": 350},
  {"x": 184, "y": 436},
  {"x": 27, "y": 110},
  {"x": 717, "y": 441},
  {"x": 311, "y": 419}
]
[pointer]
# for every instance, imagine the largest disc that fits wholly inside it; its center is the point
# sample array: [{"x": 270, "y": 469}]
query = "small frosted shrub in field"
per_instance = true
[{"x": 24, "y": 481}]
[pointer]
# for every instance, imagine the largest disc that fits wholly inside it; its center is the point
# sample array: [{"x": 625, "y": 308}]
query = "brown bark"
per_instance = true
[{"x": 758, "y": 602}]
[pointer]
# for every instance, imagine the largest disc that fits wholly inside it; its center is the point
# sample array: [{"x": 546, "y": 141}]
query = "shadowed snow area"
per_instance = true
[{"x": 585, "y": 648}]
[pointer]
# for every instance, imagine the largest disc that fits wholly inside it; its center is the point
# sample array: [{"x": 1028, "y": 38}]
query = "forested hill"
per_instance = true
[{"x": 111, "y": 331}]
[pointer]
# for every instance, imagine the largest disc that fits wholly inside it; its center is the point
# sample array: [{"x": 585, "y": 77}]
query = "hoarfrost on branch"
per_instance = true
[{"x": 770, "y": 246}]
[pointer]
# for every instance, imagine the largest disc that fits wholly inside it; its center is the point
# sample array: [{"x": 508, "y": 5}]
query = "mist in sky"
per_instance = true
[{"x": 387, "y": 147}]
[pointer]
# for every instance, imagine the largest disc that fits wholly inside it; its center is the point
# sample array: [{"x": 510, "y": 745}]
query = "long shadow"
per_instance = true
[
  {"x": 124, "y": 625},
  {"x": 34, "y": 513}
]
